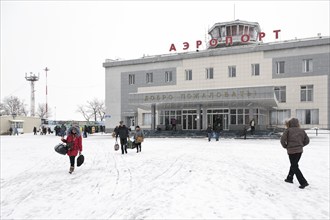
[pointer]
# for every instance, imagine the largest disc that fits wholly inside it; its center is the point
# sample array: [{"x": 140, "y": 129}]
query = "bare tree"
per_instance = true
[
  {"x": 81, "y": 109},
  {"x": 94, "y": 109},
  {"x": 12, "y": 105},
  {"x": 41, "y": 111},
  {"x": 101, "y": 111},
  {"x": 2, "y": 109}
]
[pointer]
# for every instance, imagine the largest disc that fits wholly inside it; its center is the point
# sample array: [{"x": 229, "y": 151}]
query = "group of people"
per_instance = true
[
  {"x": 213, "y": 132},
  {"x": 293, "y": 139},
  {"x": 13, "y": 131},
  {"x": 43, "y": 130},
  {"x": 122, "y": 132}
]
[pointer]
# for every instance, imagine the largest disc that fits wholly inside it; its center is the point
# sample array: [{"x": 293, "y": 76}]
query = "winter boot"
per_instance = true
[
  {"x": 71, "y": 170},
  {"x": 302, "y": 186},
  {"x": 288, "y": 181}
]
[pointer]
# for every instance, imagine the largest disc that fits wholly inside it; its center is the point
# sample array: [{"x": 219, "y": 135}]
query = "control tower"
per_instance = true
[
  {"x": 32, "y": 78},
  {"x": 241, "y": 33}
]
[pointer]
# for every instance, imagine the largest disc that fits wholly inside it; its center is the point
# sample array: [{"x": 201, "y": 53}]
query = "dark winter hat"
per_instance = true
[{"x": 80, "y": 160}]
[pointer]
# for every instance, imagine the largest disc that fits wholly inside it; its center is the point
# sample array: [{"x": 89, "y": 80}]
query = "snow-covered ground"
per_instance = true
[{"x": 172, "y": 178}]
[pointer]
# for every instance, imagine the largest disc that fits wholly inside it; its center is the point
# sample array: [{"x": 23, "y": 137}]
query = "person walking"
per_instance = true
[
  {"x": 293, "y": 140},
  {"x": 173, "y": 123},
  {"x": 15, "y": 131},
  {"x": 138, "y": 137},
  {"x": 85, "y": 131},
  {"x": 34, "y": 130},
  {"x": 252, "y": 126},
  {"x": 74, "y": 143},
  {"x": 217, "y": 131},
  {"x": 209, "y": 131},
  {"x": 123, "y": 133}
]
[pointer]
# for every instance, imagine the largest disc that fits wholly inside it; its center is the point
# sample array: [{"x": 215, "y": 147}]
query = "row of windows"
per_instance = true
[
  {"x": 241, "y": 116},
  {"x": 168, "y": 77},
  {"x": 305, "y": 116},
  {"x": 306, "y": 93},
  {"x": 307, "y": 66},
  {"x": 209, "y": 72}
]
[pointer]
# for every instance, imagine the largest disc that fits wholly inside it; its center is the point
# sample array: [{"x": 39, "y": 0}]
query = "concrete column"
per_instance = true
[
  {"x": 153, "y": 116},
  {"x": 199, "y": 117},
  {"x": 204, "y": 118}
]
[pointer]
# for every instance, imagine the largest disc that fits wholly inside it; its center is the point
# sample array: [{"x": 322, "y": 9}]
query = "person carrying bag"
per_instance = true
[
  {"x": 74, "y": 143},
  {"x": 139, "y": 138}
]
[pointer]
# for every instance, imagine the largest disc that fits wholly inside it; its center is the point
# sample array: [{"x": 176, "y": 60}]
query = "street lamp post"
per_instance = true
[{"x": 46, "y": 70}]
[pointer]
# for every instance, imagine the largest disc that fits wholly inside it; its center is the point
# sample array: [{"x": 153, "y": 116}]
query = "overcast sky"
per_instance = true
[{"x": 74, "y": 38}]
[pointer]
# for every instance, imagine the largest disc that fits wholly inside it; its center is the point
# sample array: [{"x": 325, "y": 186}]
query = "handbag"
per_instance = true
[
  {"x": 80, "y": 160},
  {"x": 61, "y": 149},
  {"x": 139, "y": 139},
  {"x": 116, "y": 146}
]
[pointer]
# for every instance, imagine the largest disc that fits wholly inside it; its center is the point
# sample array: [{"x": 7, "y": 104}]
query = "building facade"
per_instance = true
[
  {"x": 24, "y": 124},
  {"x": 224, "y": 86}
]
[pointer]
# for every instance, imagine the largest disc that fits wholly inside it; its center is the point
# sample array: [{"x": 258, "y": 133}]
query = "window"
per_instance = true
[
  {"x": 209, "y": 73},
  {"x": 233, "y": 116},
  {"x": 308, "y": 116},
  {"x": 255, "y": 68},
  {"x": 232, "y": 71},
  {"x": 149, "y": 77},
  {"x": 239, "y": 116},
  {"x": 278, "y": 117},
  {"x": 306, "y": 93},
  {"x": 280, "y": 93},
  {"x": 188, "y": 74},
  {"x": 146, "y": 117},
  {"x": 168, "y": 76},
  {"x": 307, "y": 65},
  {"x": 131, "y": 79},
  {"x": 280, "y": 67}
]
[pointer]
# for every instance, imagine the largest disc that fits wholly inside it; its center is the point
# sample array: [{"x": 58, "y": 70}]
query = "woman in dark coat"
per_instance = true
[
  {"x": 74, "y": 142},
  {"x": 293, "y": 140}
]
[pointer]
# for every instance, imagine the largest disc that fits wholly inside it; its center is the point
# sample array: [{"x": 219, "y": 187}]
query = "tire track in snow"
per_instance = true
[{"x": 167, "y": 174}]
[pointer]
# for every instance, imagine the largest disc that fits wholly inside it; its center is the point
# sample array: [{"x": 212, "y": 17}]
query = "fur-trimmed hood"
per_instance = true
[{"x": 77, "y": 131}]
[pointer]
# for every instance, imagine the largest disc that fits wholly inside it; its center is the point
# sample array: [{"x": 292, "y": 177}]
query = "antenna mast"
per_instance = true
[{"x": 32, "y": 78}]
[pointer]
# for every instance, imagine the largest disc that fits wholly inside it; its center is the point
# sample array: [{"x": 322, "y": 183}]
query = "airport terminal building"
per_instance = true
[{"x": 228, "y": 84}]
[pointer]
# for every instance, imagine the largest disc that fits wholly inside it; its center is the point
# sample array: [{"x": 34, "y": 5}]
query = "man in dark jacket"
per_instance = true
[
  {"x": 122, "y": 132},
  {"x": 293, "y": 140},
  {"x": 209, "y": 131}
]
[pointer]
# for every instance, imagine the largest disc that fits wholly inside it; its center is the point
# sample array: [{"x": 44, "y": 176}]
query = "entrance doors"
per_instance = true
[
  {"x": 189, "y": 119},
  {"x": 218, "y": 117},
  {"x": 131, "y": 123}
]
